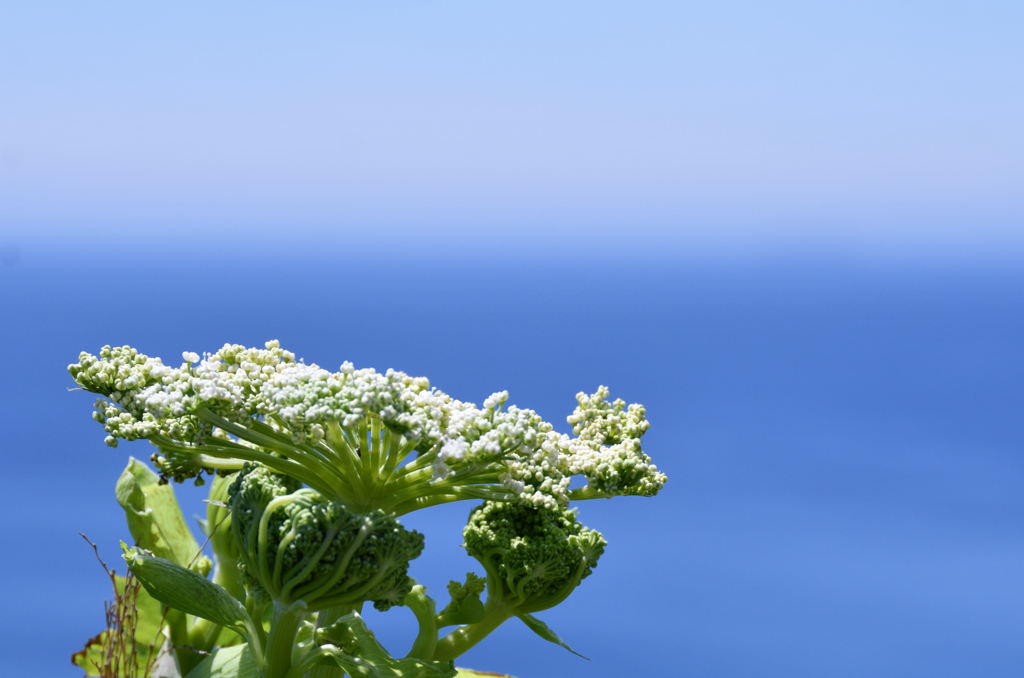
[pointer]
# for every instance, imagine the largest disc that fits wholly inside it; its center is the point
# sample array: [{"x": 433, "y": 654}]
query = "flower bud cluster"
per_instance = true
[
  {"x": 512, "y": 447},
  {"x": 519, "y": 440},
  {"x": 143, "y": 396},
  {"x": 607, "y": 450},
  {"x": 595, "y": 419},
  {"x": 305, "y": 398}
]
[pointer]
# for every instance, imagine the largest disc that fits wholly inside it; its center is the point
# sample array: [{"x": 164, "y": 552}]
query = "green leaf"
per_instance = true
[
  {"x": 228, "y": 662},
  {"x": 185, "y": 590},
  {"x": 154, "y": 517},
  {"x": 545, "y": 632},
  {"x": 89, "y": 656}
]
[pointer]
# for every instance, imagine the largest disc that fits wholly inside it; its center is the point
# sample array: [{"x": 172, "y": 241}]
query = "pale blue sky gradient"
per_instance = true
[
  {"x": 544, "y": 197},
  {"x": 892, "y": 127}
]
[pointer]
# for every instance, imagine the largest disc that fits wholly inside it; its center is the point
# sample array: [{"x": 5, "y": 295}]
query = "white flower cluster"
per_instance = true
[
  {"x": 453, "y": 452},
  {"x": 607, "y": 423},
  {"x": 124, "y": 376},
  {"x": 305, "y": 398},
  {"x": 519, "y": 442},
  {"x": 233, "y": 380},
  {"x": 538, "y": 462},
  {"x": 608, "y": 450},
  {"x": 622, "y": 468},
  {"x": 146, "y": 397},
  {"x": 513, "y": 446}
]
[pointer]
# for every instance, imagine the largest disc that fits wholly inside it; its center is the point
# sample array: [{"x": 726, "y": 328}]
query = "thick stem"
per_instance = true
[
  {"x": 187, "y": 660},
  {"x": 256, "y": 607},
  {"x": 365, "y": 455},
  {"x": 422, "y": 461},
  {"x": 225, "y": 574},
  {"x": 406, "y": 478},
  {"x": 459, "y": 641},
  {"x": 425, "y": 610},
  {"x": 203, "y": 634},
  {"x": 177, "y": 626},
  {"x": 281, "y": 642},
  {"x": 323, "y": 620}
]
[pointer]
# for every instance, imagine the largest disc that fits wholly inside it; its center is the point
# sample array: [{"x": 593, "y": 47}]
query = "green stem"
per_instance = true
[
  {"x": 425, "y": 610},
  {"x": 315, "y": 467},
  {"x": 203, "y": 634},
  {"x": 177, "y": 625},
  {"x": 403, "y": 477},
  {"x": 459, "y": 641},
  {"x": 307, "y": 665},
  {"x": 324, "y": 619},
  {"x": 187, "y": 660},
  {"x": 225, "y": 574},
  {"x": 418, "y": 503},
  {"x": 376, "y": 451},
  {"x": 411, "y": 486},
  {"x": 317, "y": 452},
  {"x": 346, "y": 457},
  {"x": 424, "y": 460},
  {"x": 232, "y": 464},
  {"x": 398, "y": 449},
  {"x": 256, "y": 608},
  {"x": 365, "y": 456},
  {"x": 420, "y": 483},
  {"x": 407, "y": 502},
  {"x": 281, "y": 642},
  {"x": 587, "y": 492},
  {"x": 235, "y": 452},
  {"x": 322, "y": 456}
]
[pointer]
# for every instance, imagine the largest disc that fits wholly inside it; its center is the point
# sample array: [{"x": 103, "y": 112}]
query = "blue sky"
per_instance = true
[
  {"x": 843, "y": 440},
  {"x": 888, "y": 127}
]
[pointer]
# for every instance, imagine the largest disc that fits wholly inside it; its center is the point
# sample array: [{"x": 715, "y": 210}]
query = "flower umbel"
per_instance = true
[{"x": 371, "y": 440}]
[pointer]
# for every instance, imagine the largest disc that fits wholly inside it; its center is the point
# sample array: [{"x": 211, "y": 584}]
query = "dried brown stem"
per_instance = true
[{"x": 118, "y": 649}]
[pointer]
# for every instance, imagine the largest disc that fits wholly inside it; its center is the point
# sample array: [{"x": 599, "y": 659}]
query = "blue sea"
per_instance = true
[{"x": 844, "y": 442}]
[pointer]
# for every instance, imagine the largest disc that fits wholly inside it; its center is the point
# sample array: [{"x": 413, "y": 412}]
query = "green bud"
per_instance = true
[
  {"x": 183, "y": 589},
  {"x": 465, "y": 606}
]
